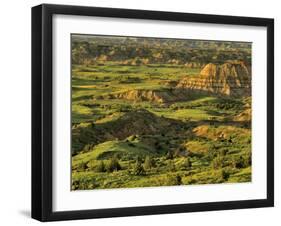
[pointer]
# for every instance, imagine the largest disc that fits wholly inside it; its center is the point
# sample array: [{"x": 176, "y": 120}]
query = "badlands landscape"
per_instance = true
[{"x": 159, "y": 112}]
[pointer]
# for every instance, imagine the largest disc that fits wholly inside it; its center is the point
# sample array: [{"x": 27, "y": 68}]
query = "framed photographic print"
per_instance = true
[{"x": 146, "y": 112}]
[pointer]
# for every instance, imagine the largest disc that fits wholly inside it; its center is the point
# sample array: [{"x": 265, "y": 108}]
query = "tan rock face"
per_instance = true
[
  {"x": 244, "y": 116},
  {"x": 156, "y": 96},
  {"x": 231, "y": 79}
]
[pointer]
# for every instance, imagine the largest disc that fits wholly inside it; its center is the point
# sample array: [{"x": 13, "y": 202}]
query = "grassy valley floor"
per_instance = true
[{"x": 131, "y": 127}]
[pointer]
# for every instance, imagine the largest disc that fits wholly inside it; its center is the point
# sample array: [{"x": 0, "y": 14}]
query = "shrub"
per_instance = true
[
  {"x": 217, "y": 162},
  {"x": 223, "y": 152},
  {"x": 113, "y": 165},
  {"x": 149, "y": 163},
  {"x": 87, "y": 147},
  {"x": 179, "y": 151},
  {"x": 242, "y": 161},
  {"x": 84, "y": 184},
  {"x": 216, "y": 176},
  {"x": 191, "y": 181},
  {"x": 171, "y": 166},
  {"x": 169, "y": 155},
  {"x": 131, "y": 145},
  {"x": 82, "y": 166},
  {"x": 221, "y": 175},
  {"x": 173, "y": 180},
  {"x": 138, "y": 168},
  {"x": 238, "y": 162},
  {"x": 187, "y": 163},
  {"x": 100, "y": 167},
  {"x": 225, "y": 173},
  {"x": 248, "y": 159},
  {"x": 158, "y": 146}
]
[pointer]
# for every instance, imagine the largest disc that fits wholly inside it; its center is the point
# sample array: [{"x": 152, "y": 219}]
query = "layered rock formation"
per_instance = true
[
  {"x": 231, "y": 79},
  {"x": 156, "y": 96}
]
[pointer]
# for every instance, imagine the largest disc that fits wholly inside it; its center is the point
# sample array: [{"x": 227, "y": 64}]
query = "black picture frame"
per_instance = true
[{"x": 42, "y": 111}]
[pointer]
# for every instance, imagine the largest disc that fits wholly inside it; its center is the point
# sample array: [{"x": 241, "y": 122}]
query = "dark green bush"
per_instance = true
[
  {"x": 169, "y": 155},
  {"x": 82, "y": 166},
  {"x": 138, "y": 168},
  {"x": 113, "y": 165},
  {"x": 171, "y": 166},
  {"x": 242, "y": 161},
  {"x": 217, "y": 162},
  {"x": 187, "y": 163},
  {"x": 100, "y": 167},
  {"x": 173, "y": 180},
  {"x": 149, "y": 163}
]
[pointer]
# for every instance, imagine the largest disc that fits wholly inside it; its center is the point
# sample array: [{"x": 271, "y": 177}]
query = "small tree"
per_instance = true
[
  {"x": 248, "y": 160},
  {"x": 82, "y": 167},
  {"x": 138, "y": 61},
  {"x": 148, "y": 163},
  {"x": 178, "y": 179},
  {"x": 223, "y": 152},
  {"x": 158, "y": 146},
  {"x": 217, "y": 162},
  {"x": 113, "y": 165},
  {"x": 173, "y": 180},
  {"x": 171, "y": 166},
  {"x": 138, "y": 169},
  {"x": 179, "y": 151},
  {"x": 225, "y": 174},
  {"x": 242, "y": 161},
  {"x": 238, "y": 162},
  {"x": 100, "y": 167},
  {"x": 169, "y": 155},
  {"x": 187, "y": 163}
]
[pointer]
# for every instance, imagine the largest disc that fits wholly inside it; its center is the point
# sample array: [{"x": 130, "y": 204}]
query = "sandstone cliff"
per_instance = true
[
  {"x": 231, "y": 79},
  {"x": 156, "y": 96}
]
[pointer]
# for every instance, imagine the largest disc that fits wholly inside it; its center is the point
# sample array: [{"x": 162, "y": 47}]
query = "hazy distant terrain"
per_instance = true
[{"x": 159, "y": 112}]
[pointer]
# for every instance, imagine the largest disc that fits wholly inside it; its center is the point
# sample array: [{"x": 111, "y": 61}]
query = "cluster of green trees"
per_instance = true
[
  {"x": 218, "y": 104},
  {"x": 220, "y": 167},
  {"x": 239, "y": 161},
  {"x": 140, "y": 167},
  {"x": 112, "y": 165}
]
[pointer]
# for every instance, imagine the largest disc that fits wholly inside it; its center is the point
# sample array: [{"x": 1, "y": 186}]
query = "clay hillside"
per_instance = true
[{"x": 231, "y": 79}]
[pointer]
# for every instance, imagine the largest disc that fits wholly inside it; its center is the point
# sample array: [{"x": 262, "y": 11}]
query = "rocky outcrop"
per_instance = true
[
  {"x": 139, "y": 121},
  {"x": 244, "y": 116},
  {"x": 231, "y": 79},
  {"x": 156, "y": 96}
]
